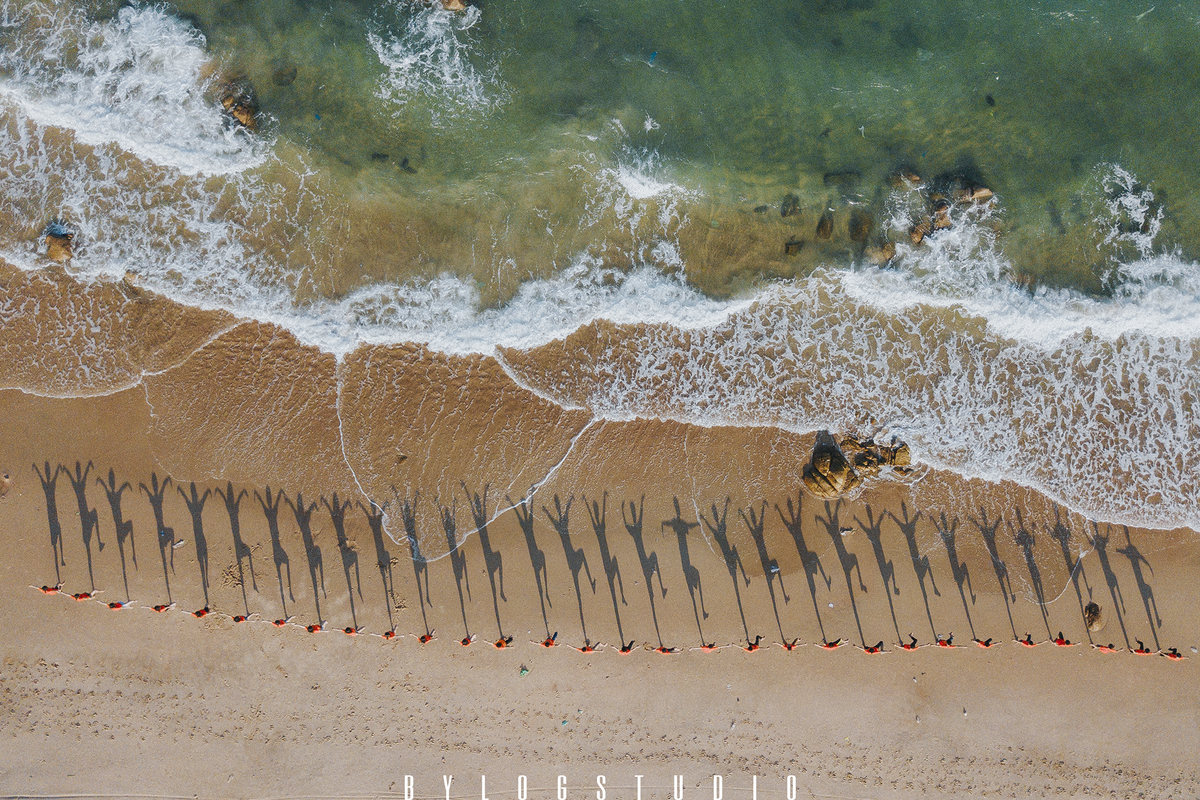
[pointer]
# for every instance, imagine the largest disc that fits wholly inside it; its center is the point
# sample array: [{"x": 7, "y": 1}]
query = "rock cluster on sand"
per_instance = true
[
  {"x": 839, "y": 467},
  {"x": 941, "y": 196},
  {"x": 58, "y": 242}
]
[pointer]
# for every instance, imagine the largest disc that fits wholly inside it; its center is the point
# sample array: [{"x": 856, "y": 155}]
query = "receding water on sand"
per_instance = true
[{"x": 702, "y": 214}]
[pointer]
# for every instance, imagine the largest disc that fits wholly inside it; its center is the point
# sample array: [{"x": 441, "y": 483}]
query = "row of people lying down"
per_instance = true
[{"x": 946, "y": 642}]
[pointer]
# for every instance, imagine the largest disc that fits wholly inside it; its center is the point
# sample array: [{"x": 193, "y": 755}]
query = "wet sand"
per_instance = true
[{"x": 99, "y": 701}]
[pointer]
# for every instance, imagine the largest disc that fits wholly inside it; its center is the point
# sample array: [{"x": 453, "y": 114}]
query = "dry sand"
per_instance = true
[{"x": 100, "y": 702}]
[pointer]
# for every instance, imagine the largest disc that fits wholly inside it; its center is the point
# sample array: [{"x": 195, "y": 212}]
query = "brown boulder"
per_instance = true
[
  {"x": 881, "y": 254},
  {"x": 58, "y": 246},
  {"x": 237, "y": 98},
  {"x": 825, "y": 225},
  {"x": 839, "y": 467}
]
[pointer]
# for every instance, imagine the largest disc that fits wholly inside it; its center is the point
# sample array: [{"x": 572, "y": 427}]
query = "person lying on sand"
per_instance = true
[
  {"x": 119, "y": 604},
  {"x": 588, "y": 647},
  {"x": 789, "y": 646},
  {"x": 666, "y": 650},
  {"x": 1107, "y": 648},
  {"x": 1174, "y": 654},
  {"x": 1027, "y": 641},
  {"x": 549, "y": 641},
  {"x": 912, "y": 644},
  {"x": 984, "y": 643},
  {"x": 386, "y": 634},
  {"x": 626, "y": 649},
  {"x": 1062, "y": 641},
  {"x": 502, "y": 642},
  {"x": 947, "y": 642},
  {"x": 466, "y": 640},
  {"x": 161, "y": 608},
  {"x": 707, "y": 648},
  {"x": 752, "y": 646},
  {"x": 426, "y": 638},
  {"x": 875, "y": 648},
  {"x": 201, "y": 612},
  {"x": 834, "y": 645},
  {"x": 239, "y": 618},
  {"x": 81, "y": 596},
  {"x": 279, "y": 623},
  {"x": 56, "y": 589},
  {"x": 1141, "y": 649},
  {"x": 316, "y": 627},
  {"x": 351, "y": 631}
]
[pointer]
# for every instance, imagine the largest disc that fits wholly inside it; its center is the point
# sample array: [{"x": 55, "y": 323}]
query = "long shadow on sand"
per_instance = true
[
  {"x": 648, "y": 561},
  {"x": 948, "y": 530},
  {"x": 537, "y": 557},
  {"x": 458, "y": 560},
  {"x": 383, "y": 559},
  {"x": 233, "y": 503},
  {"x": 873, "y": 528},
  {"x": 576, "y": 559},
  {"x": 1100, "y": 545},
  {"x": 89, "y": 520},
  {"x": 408, "y": 514},
  {"x": 49, "y": 482},
  {"x": 848, "y": 560},
  {"x": 733, "y": 561},
  {"x": 1061, "y": 533},
  {"x": 270, "y": 506},
  {"x": 122, "y": 526},
  {"x": 908, "y": 527},
  {"x": 1136, "y": 560},
  {"x": 156, "y": 494},
  {"x": 1025, "y": 540},
  {"x": 312, "y": 552},
  {"x": 770, "y": 567},
  {"x": 808, "y": 558},
  {"x": 598, "y": 514},
  {"x": 195, "y": 506},
  {"x": 681, "y": 527},
  {"x": 988, "y": 531},
  {"x": 337, "y": 515},
  {"x": 492, "y": 559}
]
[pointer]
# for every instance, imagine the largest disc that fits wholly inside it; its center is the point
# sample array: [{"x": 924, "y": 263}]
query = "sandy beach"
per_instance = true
[{"x": 117, "y": 702}]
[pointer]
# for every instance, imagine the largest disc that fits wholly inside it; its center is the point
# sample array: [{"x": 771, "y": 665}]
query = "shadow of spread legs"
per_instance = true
[
  {"x": 195, "y": 507},
  {"x": 537, "y": 558},
  {"x": 948, "y": 530},
  {"x": 908, "y": 526},
  {"x": 988, "y": 531},
  {"x": 337, "y": 515},
  {"x": 733, "y": 561},
  {"x": 690, "y": 573},
  {"x": 576, "y": 559},
  {"x": 89, "y": 520},
  {"x": 49, "y": 482},
  {"x": 598, "y": 513},
  {"x": 492, "y": 559},
  {"x": 233, "y": 504},
  {"x": 812, "y": 563},
  {"x": 648, "y": 561},
  {"x": 848, "y": 560},
  {"x": 770, "y": 567},
  {"x": 156, "y": 493},
  {"x": 122, "y": 526},
  {"x": 1136, "y": 559},
  {"x": 873, "y": 528}
]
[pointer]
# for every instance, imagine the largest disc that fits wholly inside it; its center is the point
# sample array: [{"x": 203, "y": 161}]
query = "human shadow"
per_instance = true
[
  {"x": 337, "y": 514},
  {"x": 770, "y": 567},
  {"x": 1136, "y": 560},
  {"x": 233, "y": 502},
  {"x": 691, "y": 575},
  {"x": 908, "y": 527},
  {"x": 873, "y": 528},
  {"x": 537, "y": 558},
  {"x": 848, "y": 560},
  {"x": 270, "y": 505},
  {"x": 1061, "y": 533},
  {"x": 49, "y": 482},
  {"x": 492, "y": 559},
  {"x": 1026, "y": 540},
  {"x": 576, "y": 558},
  {"x": 312, "y": 551},
  {"x": 648, "y": 561},
  {"x": 598, "y": 513},
  {"x": 988, "y": 531},
  {"x": 122, "y": 526},
  {"x": 383, "y": 559},
  {"x": 948, "y": 530},
  {"x": 156, "y": 493},
  {"x": 89, "y": 520},
  {"x": 195, "y": 506},
  {"x": 458, "y": 559},
  {"x": 733, "y": 561},
  {"x": 408, "y": 514},
  {"x": 1100, "y": 545},
  {"x": 808, "y": 558}
]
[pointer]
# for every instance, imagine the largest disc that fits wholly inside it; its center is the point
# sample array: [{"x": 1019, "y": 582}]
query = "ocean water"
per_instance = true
[{"x": 592, "y": 197}]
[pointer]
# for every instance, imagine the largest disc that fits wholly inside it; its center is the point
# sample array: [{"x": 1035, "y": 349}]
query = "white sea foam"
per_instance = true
[
  {"x": 432, "y": 62},
  {"x": 138, "y": 81}
]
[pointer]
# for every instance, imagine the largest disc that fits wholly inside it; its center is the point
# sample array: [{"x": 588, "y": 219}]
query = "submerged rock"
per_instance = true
[
  {"x": 825, "y": 225},
  {"x": 793, "y": 246},
  {"x": 881, "y": 254},
  {"x": 284, "y": 74},
  {"x": 790, "y": 206},
  {"x": 58, "y": 242},
  {"x": 861, "y": 225}
]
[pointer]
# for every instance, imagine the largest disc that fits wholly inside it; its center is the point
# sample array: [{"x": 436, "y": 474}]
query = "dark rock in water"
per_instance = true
[
  {"x": 881, "y": 254},
  {"x": 793, "y": 246},
  {"x": 284, "y": 74},
  {"x": 409, "y": 168},
  {"x": 825, "y": 225},
  {"x": 379, "y": 156},
  {"x": 825, "y": 133},
  {"x": 905, "y": 178},
  {"x": 238, "y": 100},
  {"x": 845, "y": 179},
  {"x": 58, "y": 246},
  {"x": 761, "y": 209},
  {"x": 941, "y": 214},
  {"x": 920, "y": 229},
  {"x": 991, "y": 101},
  {"x": 861, "y": 225},
  {"x": 1056, "y": 219},
  {"x": 790, "y": 205}
]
